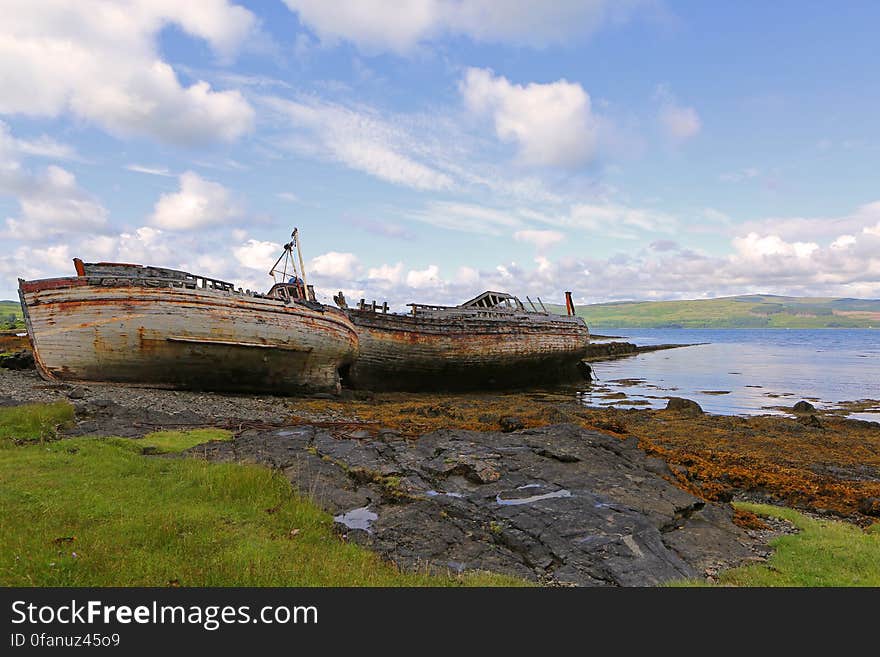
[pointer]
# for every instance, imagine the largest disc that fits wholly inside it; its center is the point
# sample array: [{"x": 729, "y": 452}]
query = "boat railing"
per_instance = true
[
  {"x": 373, "y": 307},
  {"x": 191, "y": 282}
]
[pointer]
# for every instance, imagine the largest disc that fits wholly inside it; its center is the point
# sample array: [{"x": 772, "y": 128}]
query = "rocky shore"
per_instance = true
[
  {"x": 557, "y": 504},
  {"x": 605, "y": 350},
  {"x": 530, "y": 484}
]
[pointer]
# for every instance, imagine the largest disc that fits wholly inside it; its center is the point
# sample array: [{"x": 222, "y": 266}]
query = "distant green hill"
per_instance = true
[
  {"x": 10, "y": 315},
  {"x": 748, "y": 311}
]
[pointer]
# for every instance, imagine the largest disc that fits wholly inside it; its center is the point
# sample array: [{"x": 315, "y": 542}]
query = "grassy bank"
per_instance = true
[
  {"x": 33, "y": 421},
  {"x": 822, "y": 553},
  {"x": 97, "y": 512}
]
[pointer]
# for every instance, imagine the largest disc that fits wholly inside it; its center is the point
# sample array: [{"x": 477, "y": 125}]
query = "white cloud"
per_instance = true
[
  {"x": 387, "y": 273},
  {"x": 257, "y": 255},
  {"x": 334, "y": 265},
  {"x": 47, "y": 147},
  {"x": 612, "y": 219},
  {"x": 377, "y": 25},
  {"x": 51, "y": 203},
  {"x": 754, "y": 246},
  {"x": 12, "y": 148},
  {"x": 100, "y": 61},
  {"x": 423, "y": 278},
  {"x": 541, "y": 239},
  {"x": 849, "y": 265},
  {"x": 152, "y": 171},
  {"x": 844, "y": 241},
  {"x": 197, "y": 204},
  {"x": 552, "y": 124},
  {"x": 817, "y": 228},
  {"x": 679, "y": 122},
  {"x": 360, "y": 139},
  {"x": 466, "y": 217}
]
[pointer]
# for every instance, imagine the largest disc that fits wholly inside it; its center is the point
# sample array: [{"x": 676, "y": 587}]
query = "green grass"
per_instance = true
[
  {"x": 11, "y": 317},
  {"x": 96, "y": 512},
  {"x": 750, "y": 311},
  {"x": 168, "y": 442},
  {"x": 823, "y": 553},
  {"x": 33, "y": 421}
]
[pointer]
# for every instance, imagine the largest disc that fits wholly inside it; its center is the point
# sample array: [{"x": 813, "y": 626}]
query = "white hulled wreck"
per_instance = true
[{"x": 164, "y": 327}]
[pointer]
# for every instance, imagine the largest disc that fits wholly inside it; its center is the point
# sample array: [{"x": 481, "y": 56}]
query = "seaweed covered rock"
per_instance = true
[
  {"x": 684, "y": 406},
  {"x": 804, "y": 407}
]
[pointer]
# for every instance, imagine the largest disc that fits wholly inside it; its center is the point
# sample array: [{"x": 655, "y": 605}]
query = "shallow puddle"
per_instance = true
[{"x": 361, "y": 518}]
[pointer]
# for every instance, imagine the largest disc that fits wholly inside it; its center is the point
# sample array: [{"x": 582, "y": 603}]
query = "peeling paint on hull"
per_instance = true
[
  {"x": 82, "y": 330},
  {"x": 402, "y": 352}
]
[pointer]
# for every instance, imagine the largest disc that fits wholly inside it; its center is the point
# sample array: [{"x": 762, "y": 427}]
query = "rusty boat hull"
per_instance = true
[
  {"x": 171, "y": 333},
  {"x": 449, "y": 350}
]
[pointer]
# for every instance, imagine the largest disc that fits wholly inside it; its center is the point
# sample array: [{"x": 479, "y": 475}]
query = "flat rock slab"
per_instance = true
[
  {"x": 555, "y": 504},
  {"x": 104, "y": 417}
]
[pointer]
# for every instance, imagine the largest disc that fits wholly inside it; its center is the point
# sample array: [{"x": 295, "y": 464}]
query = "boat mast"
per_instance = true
[{"x": 302, "y": 267}]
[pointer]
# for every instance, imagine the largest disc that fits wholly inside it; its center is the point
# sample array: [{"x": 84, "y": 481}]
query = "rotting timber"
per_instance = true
[
  {"x": 117, "y": 322},
  {"x": 491, "y": 341}
]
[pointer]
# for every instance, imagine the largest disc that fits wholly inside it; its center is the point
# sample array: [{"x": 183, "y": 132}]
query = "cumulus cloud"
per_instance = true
[
  {"x": 31, "y": 262},
  {"x": 756, "y": 247},
  {"x": 387, "y": 273},
  {"x": 552, "y": 124},
  {"x": 757, "y": 262},
  {"x": 423, "y": 278},
  {"x": 335, "y": 265},
  {"x": 257, "y": 255},
  {"x": 679, "y": 122},
  {"x": 51, "y": 203},
  {"x": 377, "y": 25},
  {"x": 198, "y": 203},
  {"x": 100, "y": 62}
]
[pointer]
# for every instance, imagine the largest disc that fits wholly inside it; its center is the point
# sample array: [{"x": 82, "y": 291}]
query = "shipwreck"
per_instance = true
[
  {"x": 491, "y": 341},
  {"x": 116, "y": 322}
]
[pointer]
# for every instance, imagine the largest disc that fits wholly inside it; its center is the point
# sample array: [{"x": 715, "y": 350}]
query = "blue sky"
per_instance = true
[{"x": 430, "y": 149}]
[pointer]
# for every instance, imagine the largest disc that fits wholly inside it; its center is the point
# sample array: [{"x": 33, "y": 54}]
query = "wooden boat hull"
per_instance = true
[
  {"x": 84, "y": 330},
  {"x": 402, "y": 352}
]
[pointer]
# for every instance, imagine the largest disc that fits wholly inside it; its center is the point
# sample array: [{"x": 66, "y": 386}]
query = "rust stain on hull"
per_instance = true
[
  {"x": 84, "y": 330},
  {"x": 406, "y": 352}
]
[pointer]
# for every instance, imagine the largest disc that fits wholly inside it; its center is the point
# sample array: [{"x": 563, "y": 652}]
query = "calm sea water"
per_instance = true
[{"x": 744, "y": 371}]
